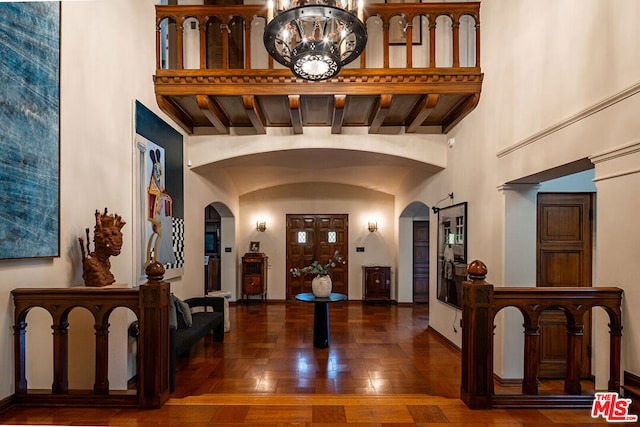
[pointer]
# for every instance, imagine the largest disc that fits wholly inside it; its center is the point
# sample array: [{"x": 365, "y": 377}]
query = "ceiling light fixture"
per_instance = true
[{"x": 315, "y": 38}]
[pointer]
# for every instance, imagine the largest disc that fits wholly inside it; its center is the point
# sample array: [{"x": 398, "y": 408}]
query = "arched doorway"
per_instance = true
[
  {"x": 413, "y": 254},
  {"x": 219, "y": 239}
]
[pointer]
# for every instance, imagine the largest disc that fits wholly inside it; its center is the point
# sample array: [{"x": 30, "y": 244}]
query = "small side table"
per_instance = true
[
  {"x": 227, "y": 296},
  {"x": 321, "y": 316}
]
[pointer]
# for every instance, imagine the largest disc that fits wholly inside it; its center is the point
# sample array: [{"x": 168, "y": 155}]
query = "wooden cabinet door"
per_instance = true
[
  {"x": 377, "y": 283},
  {"x": 313, "y": 237},
  {"x": 564, "y": 247}
]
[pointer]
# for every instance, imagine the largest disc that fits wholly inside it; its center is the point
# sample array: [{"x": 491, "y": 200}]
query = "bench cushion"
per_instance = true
[{"x": 202, "y": 323}]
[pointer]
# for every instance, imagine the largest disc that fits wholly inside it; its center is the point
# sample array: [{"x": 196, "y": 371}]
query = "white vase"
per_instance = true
[{"x": 321, "y": 286}]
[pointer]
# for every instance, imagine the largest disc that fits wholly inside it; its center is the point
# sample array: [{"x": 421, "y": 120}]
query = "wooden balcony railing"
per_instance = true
[
  {"x": 150, "y": 303},
  {"x": 480, "y": 304},
  {"x": 209, "y": 78},
  {"x": 208, "y": 17}
]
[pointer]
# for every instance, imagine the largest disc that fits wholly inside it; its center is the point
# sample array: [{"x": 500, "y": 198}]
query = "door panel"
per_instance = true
[
  {"x": 564, "y": 249},
  {"x": 421, "y": 261},
  {"x": 313, "y": 237}
]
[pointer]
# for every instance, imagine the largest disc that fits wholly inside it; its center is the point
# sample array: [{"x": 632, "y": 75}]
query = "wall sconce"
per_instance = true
[
  {"x": 372, "y": 226},
  {"x": 435, "y": 207},
  {"x": 261, "y": 225}
]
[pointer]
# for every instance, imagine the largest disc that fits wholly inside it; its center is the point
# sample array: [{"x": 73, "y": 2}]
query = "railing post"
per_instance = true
[
  {"x": 615, "y": 340},
  {"x": 531, "y": 349},
  {"x": 60, "y": 357},
  {"x": 101, "y": 384},
  {"x": 224, "y": 30},
  {"x": 19, "y": 349},
  {"x": 574, "y": 358},
  {"x": 153, "y": 342},
  {"x": 476, "y": 389},
  {"x": 180, "y": 45},
  {"x": 202, "y": 26},
  {"x": 456, "y": 41},
  {"x": 432, "y": 42},
  {"x": 409, "y": 44}
]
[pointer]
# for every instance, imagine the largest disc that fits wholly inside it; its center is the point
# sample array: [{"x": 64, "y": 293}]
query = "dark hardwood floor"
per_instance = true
[{"x": 383, "y": 368}]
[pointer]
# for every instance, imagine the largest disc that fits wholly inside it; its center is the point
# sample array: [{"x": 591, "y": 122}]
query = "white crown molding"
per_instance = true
[{"x": 595, "y": 108}]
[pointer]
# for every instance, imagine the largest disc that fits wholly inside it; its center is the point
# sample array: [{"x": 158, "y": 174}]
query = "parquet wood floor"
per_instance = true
[{"x": 383, "y": 368}]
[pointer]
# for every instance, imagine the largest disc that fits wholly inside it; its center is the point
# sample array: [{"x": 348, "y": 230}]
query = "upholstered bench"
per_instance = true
[
  {"x": 189, "y": 321},
  {"x": 185, "y": 333}
]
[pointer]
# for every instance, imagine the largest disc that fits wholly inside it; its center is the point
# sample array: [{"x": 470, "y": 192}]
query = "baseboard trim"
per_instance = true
[
  {"x": 444, "y": 340},
  {"x": 6, "y": 404},
  {"x": 507, "y": 382}
]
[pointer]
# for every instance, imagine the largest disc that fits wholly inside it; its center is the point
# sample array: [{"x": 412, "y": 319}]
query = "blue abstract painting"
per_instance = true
[{"x": 29, "y": 129}]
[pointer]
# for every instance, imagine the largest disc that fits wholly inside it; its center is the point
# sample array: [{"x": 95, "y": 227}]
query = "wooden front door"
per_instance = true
[
  {"x": 564, "y": 253},
  {"x": 313, "y": 237},
  {"x": 420, "y": 261}
]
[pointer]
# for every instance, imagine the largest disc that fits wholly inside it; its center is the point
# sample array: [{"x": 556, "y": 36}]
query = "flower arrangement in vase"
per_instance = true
[{"x": 321, "y": 284}]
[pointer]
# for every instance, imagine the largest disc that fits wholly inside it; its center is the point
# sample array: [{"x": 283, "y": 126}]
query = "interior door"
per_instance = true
[
  {"x": 564, "y": 253},
  {"x": 313, "y": 237},
  {"x": 420, "y": 261}
]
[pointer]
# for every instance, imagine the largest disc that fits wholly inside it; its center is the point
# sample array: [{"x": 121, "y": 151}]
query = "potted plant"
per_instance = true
[{"x": 321, "y": 284}]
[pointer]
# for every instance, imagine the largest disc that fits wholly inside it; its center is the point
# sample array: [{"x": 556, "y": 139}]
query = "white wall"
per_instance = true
[
  {"x": 106, "y": 63},
  {"x": 553, "y": 94},
  {"x": 309, "y": 198}
]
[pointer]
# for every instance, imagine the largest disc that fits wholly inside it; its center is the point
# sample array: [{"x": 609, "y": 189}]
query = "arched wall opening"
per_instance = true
[
  {"x": 415, "y": 211},
  {"x": 224, "y": 241},
  {"x": 520, "y": 203}
]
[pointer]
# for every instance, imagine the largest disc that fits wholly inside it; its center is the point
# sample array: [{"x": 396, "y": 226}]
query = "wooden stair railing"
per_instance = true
[
  {"x": 149, "y": 302},
  {"x": 480, "y": 304}
]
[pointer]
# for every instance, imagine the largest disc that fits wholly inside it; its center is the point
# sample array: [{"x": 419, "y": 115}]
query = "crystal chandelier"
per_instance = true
[{"x": 315, "y": 38}]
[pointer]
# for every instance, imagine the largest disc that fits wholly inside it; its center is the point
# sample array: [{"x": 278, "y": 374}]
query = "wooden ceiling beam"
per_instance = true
[
  {"x": 421, "y": 112},
  {"x": 294, "y": 113},
  {"x": 213, "y": 113},
  {"x": 255, "y": 114},
  {"x": 338, "y": 113},
  {"x": 380, "y": 112},
  {"x": 176, "y": 114},
  {"x": 459, "y": 113}
]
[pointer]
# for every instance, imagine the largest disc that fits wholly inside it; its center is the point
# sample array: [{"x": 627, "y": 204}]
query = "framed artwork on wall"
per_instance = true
[
  {"x": 254, "y": 247},
  {"x": 452, "y": 253},
  {"x": 30, "y": 130},
  {"x": 160, "y": 207}
]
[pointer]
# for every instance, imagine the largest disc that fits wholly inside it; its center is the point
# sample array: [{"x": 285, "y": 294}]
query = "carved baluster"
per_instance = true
[
  {"x": 432, "y": 42},
  {"x": 247, "y": 43},
  {"x": 203, "y": 42},
  {"x": 531, "y": 349},
  {"x": 455, "y": 28},
  {"x": 60, "y": 357},
  {"x": 477, "y": 44},
  {"x": 615, "y": 340},
  {"x": 158, "y": 54},
  {"x": 180, "y": 45},
  {"x": 385, "y": 42},
  {"x": 101, "y": 385},
  {"x": 574, "y": 356},
  {"x": 225, "y": 30},
  {"x": 19, "y": 349},
  {"x": 409, "y": 45}
]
